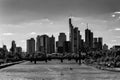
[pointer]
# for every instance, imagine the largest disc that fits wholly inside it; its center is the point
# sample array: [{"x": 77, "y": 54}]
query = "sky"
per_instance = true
[{"x": 23, "y": 19}]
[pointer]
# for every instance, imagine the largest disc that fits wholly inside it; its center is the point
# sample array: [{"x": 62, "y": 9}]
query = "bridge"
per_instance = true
[{"x": 46, "y": 58}]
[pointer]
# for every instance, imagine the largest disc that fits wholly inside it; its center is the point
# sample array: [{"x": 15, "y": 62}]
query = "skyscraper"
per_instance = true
[
  {"x": 100, "y": 43},
  {"x": 88, "y": 38},
  {"x": 19, "y": 49},
  {"x": 60, "y": 42},
  {"x": 38, "y": 48},
  {"x": 5, "y": 48},
  {"x": 31, "y": 46},
  {"x": 52, "y": 44},
  {"x": 95, "y": 43},
  {"x": 61, "y": 39},
  {"x": 5, "y": 53},
  {"x": 13, "y": 47},
  {"x": 71, "y": 35},
  {"x": 80, "y": 41},
  {"x": 43, "y": 44},
  {"x": 67, "y": 46},
  {"x": 75, "y": 38},
  {"x": 91, "y": 39}
]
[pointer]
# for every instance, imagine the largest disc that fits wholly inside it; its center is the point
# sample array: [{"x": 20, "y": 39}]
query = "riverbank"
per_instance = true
[
  {"x": 9, "y": 64},
  {"x": 104, "y": 68},
  {"x": 112, "y": 69}
]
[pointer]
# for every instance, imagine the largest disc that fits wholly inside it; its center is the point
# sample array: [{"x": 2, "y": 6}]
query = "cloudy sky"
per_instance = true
[{"x": 23, "y": 19}]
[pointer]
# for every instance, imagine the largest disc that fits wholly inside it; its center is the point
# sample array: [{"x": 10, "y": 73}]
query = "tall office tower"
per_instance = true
[
  {"x": 38, "y": 49},
  {"x": 67, "y": 46},
  {"x": 19, "y": 49},
  {"x": 60, "y": 43},
  {"x": 57, "y": 50},
  {"x": 52, "y": 44},
  {"x": 44, "y": 44},
  {"x": 82, "y": 44},
  {"x": 13, "y": 47},
  {"x": 76, "y": 40},
  {"x": 89, "y": 38},
  {"x": 100, "y": 43},
  {"x": 95, "y": 43},
  {"x": 5, "y": 48},
  {"x": 61, "y": 39},
  {"x": 31, "y": 46},
  {"x": 71, "y": 35},
  {"x": 87, "y": 33}
]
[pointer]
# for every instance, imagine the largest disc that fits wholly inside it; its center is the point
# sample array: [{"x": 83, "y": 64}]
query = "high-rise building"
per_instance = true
[
  {"x": 60, "y": 42},
  {"x": 19, "y": 49},
  {"x": 91, "y": 39},
  {"x": 88, "y": 38},
  {"x": 38, "y": 48},
  {"x": 13, "y": 47},
  {"x": 52, "y": 44},
  {"x": 61, "y": 39},
  {"x": 95, "y": 43},
  {"x": 100, "y": 43},
  {"x": 67, "y": 47},
  {"x": 5, "y": 48},
  {"x": 75, "y": 38},
  {"x": 43, "y": 44},
  {"x": 5, "y": 51},
  {"x": 82, "y": 43},
  {"x": 31, "y": 46},
  {"x": 71, "y": 35},
  {"x": 57, "y": 47},
  {"x": 80, "y": 40}
]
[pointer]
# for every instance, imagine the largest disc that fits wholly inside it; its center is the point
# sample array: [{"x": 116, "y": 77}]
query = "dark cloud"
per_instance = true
[{"x": 25, "y": 10}]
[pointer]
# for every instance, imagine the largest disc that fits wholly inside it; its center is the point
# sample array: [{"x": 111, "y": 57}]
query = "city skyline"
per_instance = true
[
  {"x": 26, "y": 19},
  {"x": 57, "y": 37}
]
